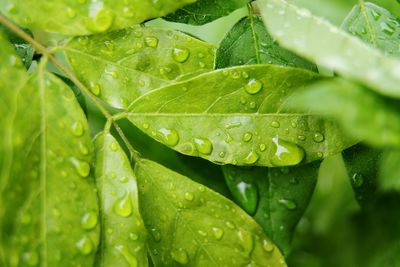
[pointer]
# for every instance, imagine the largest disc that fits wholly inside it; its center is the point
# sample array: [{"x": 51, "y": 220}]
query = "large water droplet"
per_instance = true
[
  {"x": 169, "y": 137},
  {"x": 286, "y": 153},
  {"x": 123, "y": 206},
  {"x": 253, "y": 87},
  {"x": 289, "y": 204},
  {"x": 203, "y": 145},
  {"x": 101, "y": 22},
  {"x": 151, "y": 41},
  {"x": 89, "y": 220},
  {"x": 130, "y": 259},
  {"x": 85, "y": 245},
  {"x": 247, "y": 196},
  {"x": 318, "y": 137},
  {"x": 267, "y": 246},
  {"x": 180, "y": 256},
  {"x": 82, "y": 167},
  {"x": 218, "y": 232},
  {"x": 251, "y": 158},
  {"x": 180, "y": 54},
  {"x": 189, "y": 196}
]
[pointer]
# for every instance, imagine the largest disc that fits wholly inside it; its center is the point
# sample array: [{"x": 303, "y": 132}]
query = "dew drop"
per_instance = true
[
  {"x": 247, "y": 196},
  {"x": 77, "y": 129},
  {"x": 82, "y": 167},
  {"x": 275, "y": 124},
  {"x": 133, "y": 236},
  {"x": 189, "y": 196},
  {"x": 202, "y": 233},
  {"x": 267, "y": 246},
  {"x": 130, "y": 259},
  {"x": 101, "y": 22},
  {"x": 155, "y": 234},
  {"x": 218, "y": 233},
  {"x": 114, "y": 146},
  {"x": 203, "y": 145},
  {"x": 253, "y": 86},
  {"x": 84, "y": 245},
  {"x": 180, "y": 54},
  {"x": 357, "y": 180},
  {"x": 180, "y": 256},
  {"x": 235, "y": 75},
  {"x": 318, "y": 137},
  {"x": 301, "y": 137},
  {"x": 123, "y": 206},
  {"x": 251, "y": 158},
  {"x": 286, "y": 153},
  {"x": 169, "y": 137},
  {"x": 221, "y": 154},
  {"x": 263, "y": 147},
  {"x": 246, "y": 242},
  {"x": 89, "y": 220},
  {"x": 151, "y": 41},
  {"x": 230, "y": 225},
  {"x": 289, "y": 204},
  {"x": 247, "y": 136}
]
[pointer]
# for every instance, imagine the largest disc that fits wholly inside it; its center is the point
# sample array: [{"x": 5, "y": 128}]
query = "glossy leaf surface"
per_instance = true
[
  {"x": 83, "y": 17},
  {"x": 237, "y": 116},
  {"x": 248, "y": 42},
  {"x": 194, "y": 226},
  {"x": 123, "y": 232},
  {"x": 317, "y": 40},
  {"x": 205, "y": 11},
  {"x": 283, "y": 195},
  {"x": 131, "y": 62},
  {"x": 46, "y": 146}
]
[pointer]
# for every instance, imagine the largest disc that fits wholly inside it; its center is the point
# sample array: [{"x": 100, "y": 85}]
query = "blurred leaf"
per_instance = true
[
  {"x": 317, "y": 40},
  {"x": 120, "y": 66},
  {"x": 77, "y": 92},
  {"x": 277, "y": 197},
  {"x": 389, "y": 171},
  {"x": 205, "y": 11},
  {"x": 242, "y": 123},
  {"x": 86, "y": 17},
  {"x": 194, "y": 226},
  {"x": 248, "y": 42}
]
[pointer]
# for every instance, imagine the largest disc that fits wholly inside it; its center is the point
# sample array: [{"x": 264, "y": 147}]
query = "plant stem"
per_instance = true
[{"x": 135, "y": 155}]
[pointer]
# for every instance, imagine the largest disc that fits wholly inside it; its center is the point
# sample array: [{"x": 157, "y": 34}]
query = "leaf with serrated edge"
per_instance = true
[
  {"x": 213, "y": 116},
  {"x": 123, "y": 65},
  {"x": 317, "y": 40},
  {"x": 83, "y": 17},
  {"x": 123, "y": 232},
  {"x": 194, "y": 226},
  {"x": 46, "y": 186}
]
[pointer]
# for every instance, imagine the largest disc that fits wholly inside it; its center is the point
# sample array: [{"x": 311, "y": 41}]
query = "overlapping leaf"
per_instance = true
[
  {"x": 237, "y": 116},
  {"x": 317, "y": 40},
  {"x": 123, "y": 232},
  {"x": 205, "y": 11},
  {"x": 194, "y": 226},
  {"x": 123, "y": 65},
  {"x": 45, "y": 146},
  {"x": 86, "y": 17}
]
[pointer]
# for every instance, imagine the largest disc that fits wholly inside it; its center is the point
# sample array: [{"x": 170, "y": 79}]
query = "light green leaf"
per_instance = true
[
  {"x": 205, "y": 11},
  {"x": 123, "y": 232},
  {"x": 248, "y": 42},
  {"x": 278, "y": 197},
  {"x": 46, "y": 186},
  {"x": 317, "y": 40},
  {"x": 376, "y": 26},
  {"x": 86, "y": 17},
  {"x": 194, "y": 226},
  {"x": 237, "y": 116},
  {"x": 123, "y": 65}
]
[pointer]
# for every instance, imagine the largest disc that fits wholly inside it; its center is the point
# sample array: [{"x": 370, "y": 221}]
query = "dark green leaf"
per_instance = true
[
  {"x": 237, "y": 116},
  {"x": 317, "y": 40},
  {"x": 205, "y": 11},
  {"x": 123, "y": 65},
  {"x": 278, "y": 197},
  {"x": 389, "y": 171},
  {"x": 194, "y": 226},
  {"x": 86, "y": 17},
  {"x": 123, "y": 232},
  {"x": 249, "y": 43},
  {"x": 46, "y": 186}
]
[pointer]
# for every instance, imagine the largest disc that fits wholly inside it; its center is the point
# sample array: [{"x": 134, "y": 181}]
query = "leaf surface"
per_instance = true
[
  {"x": 205, "y": 11},
  {"x": 86, "y": 17},
  {"x": 237, "y": 116},
  {"x": 194, "y": 226},
  {"x": 319, "y": 41},
  {"x": 389, "y": 171},
  {"x": 123, "y": 65},
  {"x": 46, "y": 186}
]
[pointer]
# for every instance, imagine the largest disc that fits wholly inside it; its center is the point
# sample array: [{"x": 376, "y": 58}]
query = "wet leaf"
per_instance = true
[
  {"x": 194, "y": 226},
  {"x": 44, "y": 147},
  {"x": 248, "y": 42},
  {"x": 389, "y": 171},
  {"x": 317, "y": 40},
  {"x": 123, "y": 232},
  {"x": 86, "y": 17},
  {"x": 237, "y": 116},
  {"x": 205, "y": 11},
  {"x": 278, "y": 197},
  {"x": 131, "y": 62}
]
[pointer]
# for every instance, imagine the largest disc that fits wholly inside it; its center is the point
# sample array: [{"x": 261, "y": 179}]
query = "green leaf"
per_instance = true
[
  {"x": 86, "y": 17},
  {"x": 389, "y": 171},
  {"x": 123, "y": 232},
  {"x": 205, "y": 11},
  {"x": 278, "y": 197},
  {"x": 374, "y": 25},
  {"x": 123, "y": 65},
  {"x": 363, "y": 114},
  {"x": 248, "y": 42},
  {"x": 237, "y": 116},
  {"x": 194, "y": 226},
  {"x": 317, "y": 40},
  {"x": 46, "y": 186}
]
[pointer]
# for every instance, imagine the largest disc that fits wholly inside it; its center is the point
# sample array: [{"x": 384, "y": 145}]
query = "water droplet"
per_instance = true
[
  {"x": 180, "y": 256},
  {"x": 82, "y": 167},
  {"x": 189, "y": 196},
  {"x": 251, "y": 158},
  {"x": 180, "y": 54},
  {"x": 318, "y": 137},
  {"x": 286, "y": 153},
  {"x": 358, "y": 180},
  {"x": 31, "y": 258},
  {"x": 85, "y": 245},
  {"x": 289, "y": 204},
  {"x": 263, "y": 147},
  {"x": 77, "y": 129},
  {"x": 155, "y": 234},
  {"x": 245, "y": 74},
  {"x": 202, "y": 233},
  {"x": 221, "y": 154},
  {"x": 133, "y": 236},
  {"x": 301, "y": 137},
  {"x": 218, "y": 232},
  {"x": 253, "y": 86},
  {"x": 230, "y": 225},
  {"x": 71, "y": 12},
  {"x": 130, "y": 259},
  {"x": 124, "y": 179},
  {"x": 246, "y": 241},
  {"x": 247, "y": 196},
  {"x": 151, "y": 41},
  {"x": 247, "y": 136},
  {"x": 267, "y": 246},
  {"x": 275, "y": 124},
  {"x": 169, "y": 137},
  {"x": 89, "y": 220},
  {"x": 235, "y": 75},
  {"x": 101, "y": 22},
  {"x": 123, "y": 206},
  {"x": 114, "y": 146},
  {"x": 203, "y": 145}
]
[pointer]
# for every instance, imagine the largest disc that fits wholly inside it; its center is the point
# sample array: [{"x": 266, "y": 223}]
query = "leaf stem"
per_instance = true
[
  {"x": 135, "y": 155},
  {"x": 253, "y": 32}
]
